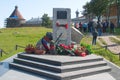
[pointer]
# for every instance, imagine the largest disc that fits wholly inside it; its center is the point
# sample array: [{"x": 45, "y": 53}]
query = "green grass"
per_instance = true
[
  {"x": 9, "y": 37},
  {"x": 117, "y": 31}
]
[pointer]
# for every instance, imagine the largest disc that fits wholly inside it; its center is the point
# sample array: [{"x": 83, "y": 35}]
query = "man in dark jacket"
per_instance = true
[{"x": 94, "y": 34}]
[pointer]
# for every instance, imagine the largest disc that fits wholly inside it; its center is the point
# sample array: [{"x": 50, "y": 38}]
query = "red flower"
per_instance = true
[
  {"x": 29, "y": 48},
  {"x": 57, "y": 23},
  {"x": 83, "y": 54},
  {"x": 62, "y": 45},
  {"x": 52, "y": 47},
  {"x": 65, "y": 47},
  {"x": 70, "y": 47},
  {"x": 76, "y": 52},
  {"x": 66, "y": 26}
]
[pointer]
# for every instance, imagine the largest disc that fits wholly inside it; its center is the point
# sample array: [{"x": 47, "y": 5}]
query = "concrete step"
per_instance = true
[
  {"x": 60, "y": 60},
  {"x": 61, "y": 76},
  {"x": 36, "y": 59},
  {"x": 65, "y": 68},
  {"x": 83, "y": 66},
  {"x": 38, "y": 65}
]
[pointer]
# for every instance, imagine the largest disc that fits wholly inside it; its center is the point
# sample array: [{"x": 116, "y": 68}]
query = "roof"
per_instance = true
[{"x": 16, "y": 14}]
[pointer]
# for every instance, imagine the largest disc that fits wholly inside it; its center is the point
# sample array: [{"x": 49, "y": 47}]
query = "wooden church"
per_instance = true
[{"x": 15, "y": 19}]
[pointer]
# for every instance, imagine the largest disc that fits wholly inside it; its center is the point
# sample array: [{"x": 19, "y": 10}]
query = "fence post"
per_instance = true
[
  {"x": 106, "y": 47},
  {"x": 1, "y": 52},
  {"x": 119, "y": 55},
  {"x": 16, "y": 47}
]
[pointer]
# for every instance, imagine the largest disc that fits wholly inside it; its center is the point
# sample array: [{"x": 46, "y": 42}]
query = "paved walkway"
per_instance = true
[
  {"x": 112, "y": 46},
  {"x": 115, "y": 72},
  {"x": 102, "y": 76},
  {"x": 19, "y": 75}
]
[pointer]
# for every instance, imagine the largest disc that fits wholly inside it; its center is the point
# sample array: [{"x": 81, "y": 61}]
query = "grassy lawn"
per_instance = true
[
  {"x": 117, "y": 31},
  {"x": 9, "y": 37}
]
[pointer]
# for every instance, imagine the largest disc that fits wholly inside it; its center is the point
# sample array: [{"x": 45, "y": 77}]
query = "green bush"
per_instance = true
[{"x": 88, "y": 47}]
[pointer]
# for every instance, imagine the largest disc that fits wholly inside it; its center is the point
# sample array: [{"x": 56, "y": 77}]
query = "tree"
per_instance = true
[
  {"x": 97, "y": 7},
  {"x": 87, "y": 12},
  {"x": 46, "y": 20}
]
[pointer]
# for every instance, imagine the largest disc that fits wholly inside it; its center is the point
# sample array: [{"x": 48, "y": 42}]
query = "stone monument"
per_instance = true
[
  {"x": 61, "y": 25},
  {"x": 76, "y": 35}
]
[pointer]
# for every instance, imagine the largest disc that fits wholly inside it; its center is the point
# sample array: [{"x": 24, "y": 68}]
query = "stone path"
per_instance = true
[{"x": 112, "y": 46}]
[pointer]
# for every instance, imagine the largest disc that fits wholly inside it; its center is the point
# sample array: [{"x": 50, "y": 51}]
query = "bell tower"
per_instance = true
[{"x": 77, "y": 14}]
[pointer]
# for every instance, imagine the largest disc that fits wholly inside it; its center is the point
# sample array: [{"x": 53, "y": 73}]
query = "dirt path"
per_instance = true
[{"x": 113, "y": 47}]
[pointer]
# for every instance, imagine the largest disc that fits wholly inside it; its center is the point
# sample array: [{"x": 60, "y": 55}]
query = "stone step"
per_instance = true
[
  {"x": 36, "y": 59},
  {"x": 54, "y": 68},
  {"x": 60, "y": 60},
  {"x": 38, "y": 65},
  {"x": 61, "y": 76}
]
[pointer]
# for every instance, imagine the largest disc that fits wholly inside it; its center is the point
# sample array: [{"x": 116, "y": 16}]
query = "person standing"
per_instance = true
[
  {"x": 77, "y": 25},
  {"x": 112, "y": 27},
  {"x": 105, "y": 26},
  {"x": 94, "y": 34},
  {"x": 80, "y": 26},
  {"x": 99, "y": 28},
  {"x": 85, "y": 27},
  {"x": 89, "y": 26}
]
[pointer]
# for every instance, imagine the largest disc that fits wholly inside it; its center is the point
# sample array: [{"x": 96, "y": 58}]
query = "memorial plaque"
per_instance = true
[{"x": 61, "y": 14}]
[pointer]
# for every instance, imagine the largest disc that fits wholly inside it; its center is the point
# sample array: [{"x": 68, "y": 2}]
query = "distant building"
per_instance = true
[
  {"x": 15, "y": 19},
  {"x": 33, "y": 22},
  {"x": 78, "y": 19},
  {"x": 112, "y": 14}
]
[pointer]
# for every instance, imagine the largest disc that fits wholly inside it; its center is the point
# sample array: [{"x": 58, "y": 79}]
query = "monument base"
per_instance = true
[{"x": 59, "y": 67}]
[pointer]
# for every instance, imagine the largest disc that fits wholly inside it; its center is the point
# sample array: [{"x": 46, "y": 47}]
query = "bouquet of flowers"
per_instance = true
[
  {"x": 30, "y": 49},
  {"x": 80, "y": 51},
  {"x": 33, "y": 50},
  {"x": 63, "y": 49}
]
